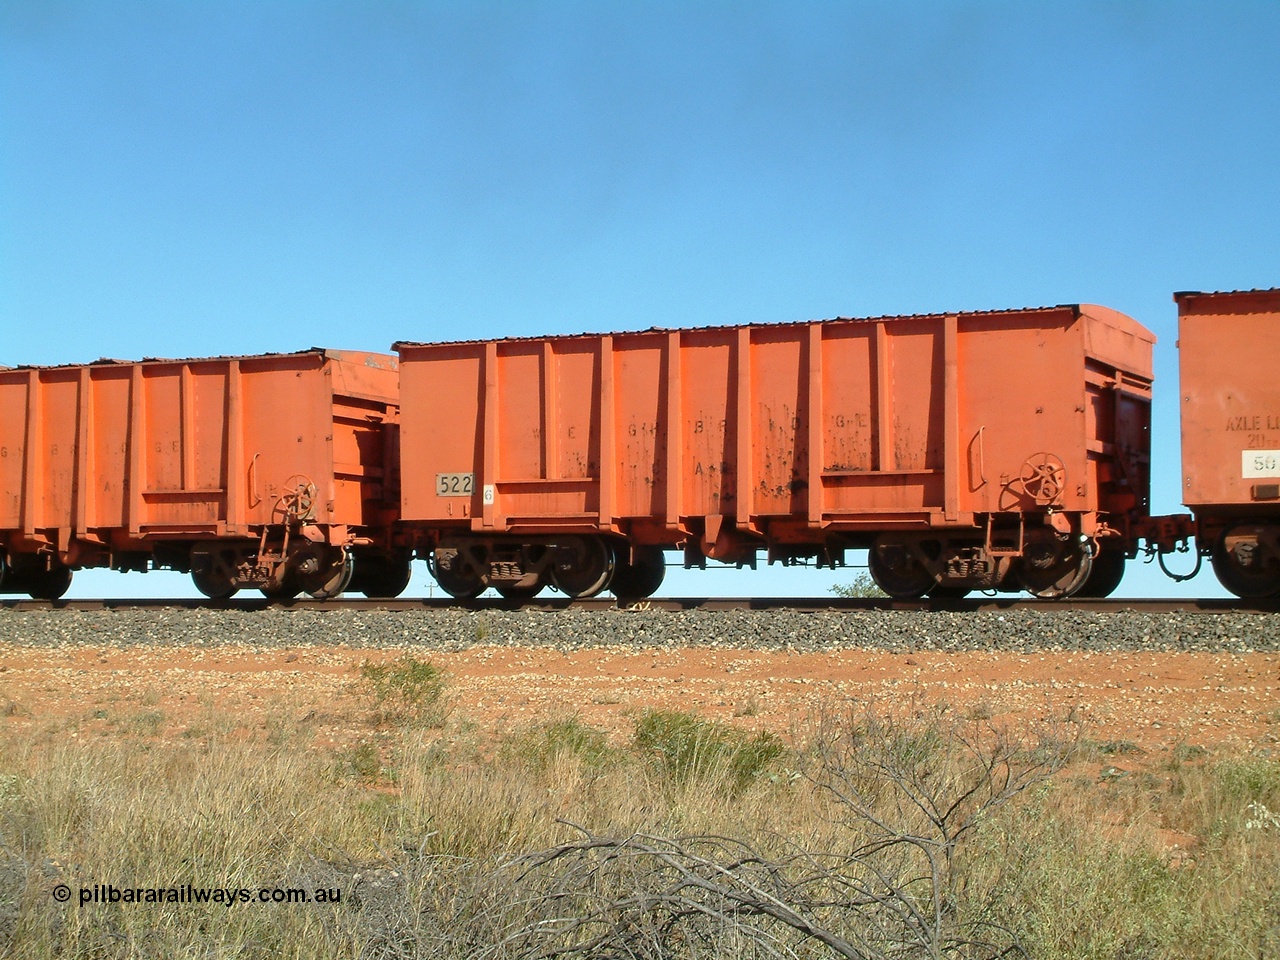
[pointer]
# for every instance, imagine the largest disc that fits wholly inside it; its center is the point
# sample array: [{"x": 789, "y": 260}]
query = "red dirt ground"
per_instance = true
[{"x": 1154, "y": 701}]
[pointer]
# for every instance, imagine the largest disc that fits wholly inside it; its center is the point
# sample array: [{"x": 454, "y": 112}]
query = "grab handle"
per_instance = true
[{"x": 254, "y": 499}]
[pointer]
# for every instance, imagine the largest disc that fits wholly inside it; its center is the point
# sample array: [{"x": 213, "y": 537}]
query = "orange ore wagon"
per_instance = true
[
  {"x": 272, "y": 471},
  {"x": 1229, "y": 354},
  {"x": 1005, "y": 450}
]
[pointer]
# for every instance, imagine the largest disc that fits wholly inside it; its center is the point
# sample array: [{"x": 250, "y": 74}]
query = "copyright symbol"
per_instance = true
[{"x": 62, "y": 893}]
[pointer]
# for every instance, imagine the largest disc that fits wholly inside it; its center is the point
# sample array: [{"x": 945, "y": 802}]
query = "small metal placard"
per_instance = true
[
  {"x": 455, "y": 484},
  {"x": 1260, "y": 463}
]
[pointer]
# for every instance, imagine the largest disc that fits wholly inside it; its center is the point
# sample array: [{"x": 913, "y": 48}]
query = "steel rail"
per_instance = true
[{"x": 559, "y": 604}]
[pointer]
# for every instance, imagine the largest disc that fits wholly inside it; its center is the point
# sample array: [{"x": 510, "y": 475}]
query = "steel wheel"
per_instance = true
[
  {"x": 1055, "y": 570},
  {"x": 381, "y": 576},
  {"x": 583, "y": 566},
  {"x": 287, "y": 589},
  {"x": 635, "y": 581},
  {"x": 897, "y": 572},
  {"x": 1256, "y": 581},
  {"x": 325, "y": 572},
  {"x": 1107, "y": 572},
  {"x": 211, "y": 572},
  {"x": 520, "y": 591},
  {"x": 455, "y": 578},
  {"x": 49, "y": 584}
]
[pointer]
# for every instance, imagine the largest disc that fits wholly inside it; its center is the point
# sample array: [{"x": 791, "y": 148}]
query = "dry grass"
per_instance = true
[{"x": 551, "y": 842}]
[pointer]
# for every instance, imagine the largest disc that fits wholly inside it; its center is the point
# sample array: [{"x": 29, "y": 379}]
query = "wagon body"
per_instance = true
[
  {"x": 126, "y": 465},
  {"x": 798, "y": 438},
  {"x": 1229, "y": 354}
]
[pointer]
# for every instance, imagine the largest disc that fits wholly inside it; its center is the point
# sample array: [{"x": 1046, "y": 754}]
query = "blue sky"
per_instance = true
[{"x": 185, "y": 179}]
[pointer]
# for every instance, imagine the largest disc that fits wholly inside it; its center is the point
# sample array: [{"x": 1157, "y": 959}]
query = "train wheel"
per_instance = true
[
  {"x": 287, "y": 589},
  {"x": 520, "y": 590},
  {"x": 325, "y": 573},
  {"x": 49, "y": 584},
  {"x": 212, "y": 586},
  {"x": 1239, "y": 560},
  {"x": 635, "y": 581},
  {"x": 583, "y": 566},
  {"x": 382, "y": 577},
  {"x": 897, "y": 572},
  {"x": 213, "y": 571},
  {"x": 1053, "y": 570},
  {"x": 454, "y": 577},
  {"x": 1107, "y": 572}
]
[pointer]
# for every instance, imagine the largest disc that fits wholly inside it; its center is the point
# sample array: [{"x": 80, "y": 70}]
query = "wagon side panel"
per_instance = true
[
  {"x": 709, "y": 390},
  {"x": 13, "y": 448},
  {"x": 108, "y": 448},
  {"x": 877, "y": 391},
  {"x": 642, "y": 419},
  {"x": 287, "y": 438},
  {"x": 779, "y": 418},
  {"x": 442, "y": 433},
  {"x": 1020, "y": 443},
  {"x": 1230, "y": 401}
]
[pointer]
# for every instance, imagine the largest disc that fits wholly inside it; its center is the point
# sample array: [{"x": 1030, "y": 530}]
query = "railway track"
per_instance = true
[{"x": 552, "y": 605}]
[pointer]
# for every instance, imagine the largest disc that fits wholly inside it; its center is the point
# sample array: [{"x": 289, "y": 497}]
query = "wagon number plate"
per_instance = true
[
  {"x": 1261, "y": 463},
  {"x": 455, "y": 484}
]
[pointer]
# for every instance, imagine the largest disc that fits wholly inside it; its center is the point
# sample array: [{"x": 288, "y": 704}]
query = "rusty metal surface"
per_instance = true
[
  {"x": 103, "y": 458},
  {"x": 782, "y": 432},
  {"x": 1229, "y": 355}
]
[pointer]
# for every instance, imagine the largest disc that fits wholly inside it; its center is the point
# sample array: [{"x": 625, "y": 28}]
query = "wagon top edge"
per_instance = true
[
  {"x": 377, "y": 360},
  {"x": 1071, "y": 311},
  {"x": 1228, "y": 301}
]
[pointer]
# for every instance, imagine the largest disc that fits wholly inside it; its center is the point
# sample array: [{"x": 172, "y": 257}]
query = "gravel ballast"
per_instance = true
[{"x": 894, "y": 631}]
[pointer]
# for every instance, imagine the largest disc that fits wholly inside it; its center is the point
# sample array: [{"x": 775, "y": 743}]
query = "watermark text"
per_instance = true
[{"x": 106, "y": 893}]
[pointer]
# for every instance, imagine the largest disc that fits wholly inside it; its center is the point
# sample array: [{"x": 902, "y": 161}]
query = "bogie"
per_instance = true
[
  {"x": 219, "y": 570},
  {"x": 910, "y": 566}
]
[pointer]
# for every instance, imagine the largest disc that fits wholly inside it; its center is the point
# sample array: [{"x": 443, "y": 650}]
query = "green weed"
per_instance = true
[
  {"x": 686, "y": 748},
  {"x": 541, "y": 745},
  {"x": 406, "y": 690},
  {"x": 862, "y": 587},
  {"x": 362, "y": 761}
]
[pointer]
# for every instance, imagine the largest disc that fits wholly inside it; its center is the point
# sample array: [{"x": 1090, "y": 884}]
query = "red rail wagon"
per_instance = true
[
  {"x": 1003, "y": 450},
  {"x": 272, "y": 471},
  {"x": 1229, "y": 353}
]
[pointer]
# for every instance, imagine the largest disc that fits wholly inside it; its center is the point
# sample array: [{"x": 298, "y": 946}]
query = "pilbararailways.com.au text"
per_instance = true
[{"x": 189, "y": 893}]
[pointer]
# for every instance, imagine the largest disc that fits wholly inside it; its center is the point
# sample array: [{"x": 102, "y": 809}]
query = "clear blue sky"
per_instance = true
[{"x": 206, "y": 178}]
